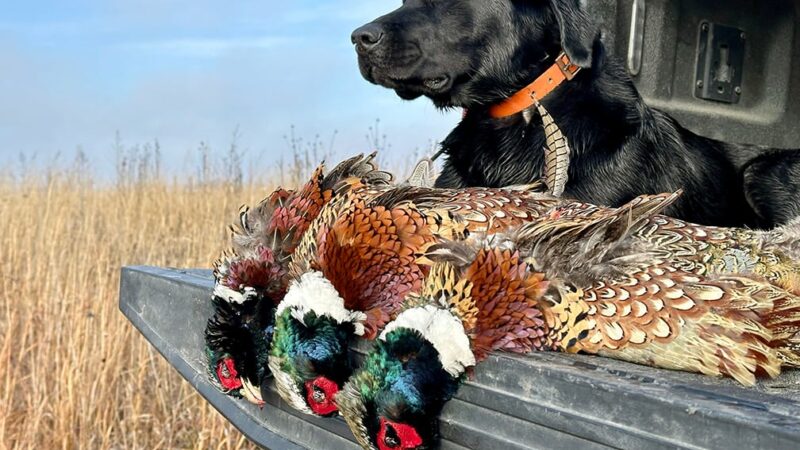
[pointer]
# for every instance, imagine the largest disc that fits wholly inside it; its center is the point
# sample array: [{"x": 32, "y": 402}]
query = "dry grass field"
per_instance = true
[{"x": 76, "y": 374}]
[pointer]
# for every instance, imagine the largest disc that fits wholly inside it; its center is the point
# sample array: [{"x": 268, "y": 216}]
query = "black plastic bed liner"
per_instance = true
[{"x": 543, "y": 400}]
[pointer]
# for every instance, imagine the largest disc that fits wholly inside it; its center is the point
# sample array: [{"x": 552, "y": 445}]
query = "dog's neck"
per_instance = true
[
  {"x": 560, "y": 72},
  {"x": 576, "y": 99},
  {"x": 593, "y": 120}
]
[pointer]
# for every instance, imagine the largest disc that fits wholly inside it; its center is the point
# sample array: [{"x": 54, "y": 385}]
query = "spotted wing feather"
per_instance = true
[{"x": 738, "y": 327}]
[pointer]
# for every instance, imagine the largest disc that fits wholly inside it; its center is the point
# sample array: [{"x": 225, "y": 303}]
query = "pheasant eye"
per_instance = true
[
  {"x": 227, "y": 374},
  {"x": 394, "y": 435},
  {"x": 320, "y": 393},
  {"x": 391, "y": 439}
]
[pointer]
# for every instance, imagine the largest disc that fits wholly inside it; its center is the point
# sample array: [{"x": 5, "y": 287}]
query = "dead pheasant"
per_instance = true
[
  {"x": 252, "y": 278},
  {"x": 583, "y": 280},
  {"x": 351, "y": 278},
  {"x": 480, "y": 302}
]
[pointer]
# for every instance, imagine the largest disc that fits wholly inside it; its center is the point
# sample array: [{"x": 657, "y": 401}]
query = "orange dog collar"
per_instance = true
[{"x": 563, "y": 70}]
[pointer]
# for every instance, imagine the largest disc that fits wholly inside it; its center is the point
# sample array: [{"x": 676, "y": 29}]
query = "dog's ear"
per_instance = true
[{"x": 578, "y": 31}]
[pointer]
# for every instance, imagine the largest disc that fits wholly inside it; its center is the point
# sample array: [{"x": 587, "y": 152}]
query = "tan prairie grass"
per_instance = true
[{"x": 76, "y": 374}]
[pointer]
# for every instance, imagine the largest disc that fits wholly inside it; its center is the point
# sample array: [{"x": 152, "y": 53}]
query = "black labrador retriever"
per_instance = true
[{"x": 476, "y": 54}]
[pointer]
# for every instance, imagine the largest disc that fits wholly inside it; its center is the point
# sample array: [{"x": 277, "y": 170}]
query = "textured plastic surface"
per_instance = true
[
  {"x": 767, "y": 112},
  {"x": 543, "y": 400}
]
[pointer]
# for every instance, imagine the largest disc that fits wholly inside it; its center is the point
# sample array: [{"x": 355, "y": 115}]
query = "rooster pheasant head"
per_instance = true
[
  {"x": 238, "y": 337},
  {"x": 309, "y": 356},
  {"x": 416, "y": 366},
  {"x": 472, "y": 302}
]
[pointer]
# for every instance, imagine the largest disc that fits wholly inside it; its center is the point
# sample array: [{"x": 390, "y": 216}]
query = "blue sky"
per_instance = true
[{"x": 74, "y": 73}]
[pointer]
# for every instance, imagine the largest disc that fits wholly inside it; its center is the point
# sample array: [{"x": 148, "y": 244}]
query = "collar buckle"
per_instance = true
[{"x": 567, "y": 68}]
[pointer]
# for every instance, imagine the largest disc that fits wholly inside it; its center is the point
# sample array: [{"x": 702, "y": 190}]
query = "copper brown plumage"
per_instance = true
[
  {"x": 382, "y": 239},
  {"x": 295, "y": 214},
  {"x": 266, "y": 236},
  {"x": 296, "y": 211},
  {"x": 493, "y": 293},
  {"x": 380, "y": 247}
]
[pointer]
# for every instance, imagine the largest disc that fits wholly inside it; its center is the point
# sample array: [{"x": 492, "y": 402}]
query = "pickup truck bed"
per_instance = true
[{"x": 544, "y": 400}]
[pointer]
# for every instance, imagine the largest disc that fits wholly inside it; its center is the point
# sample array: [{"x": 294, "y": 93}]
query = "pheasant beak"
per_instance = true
[{"x": 252, "y": 394}]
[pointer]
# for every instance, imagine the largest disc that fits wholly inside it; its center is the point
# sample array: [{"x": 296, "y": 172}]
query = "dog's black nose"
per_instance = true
[{"x": 368, "y": 36}]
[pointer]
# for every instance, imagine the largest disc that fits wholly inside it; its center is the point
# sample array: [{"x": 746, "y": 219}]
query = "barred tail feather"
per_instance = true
[
  {"x": 569, "y": 245},
  {"x": 423, "y": 175}
]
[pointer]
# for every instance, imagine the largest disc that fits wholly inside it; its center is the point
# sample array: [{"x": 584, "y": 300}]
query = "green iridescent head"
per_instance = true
[
  {"x": 310, "y": 352},
  {"x": 237, "y": 338},
  {"x": 394, "y": 400},
  {"x": 238, "y": 335}
]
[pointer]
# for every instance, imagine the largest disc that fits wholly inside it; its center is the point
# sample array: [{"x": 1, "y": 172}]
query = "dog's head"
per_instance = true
[{"x": 471, "y": 52}]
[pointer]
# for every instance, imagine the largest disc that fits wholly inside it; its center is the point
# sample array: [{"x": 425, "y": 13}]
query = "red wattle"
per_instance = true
[
  {"x": 231, "y": 381},
  {"x": 330, "y": 388},
  {"x": 408, "y": 436}
]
